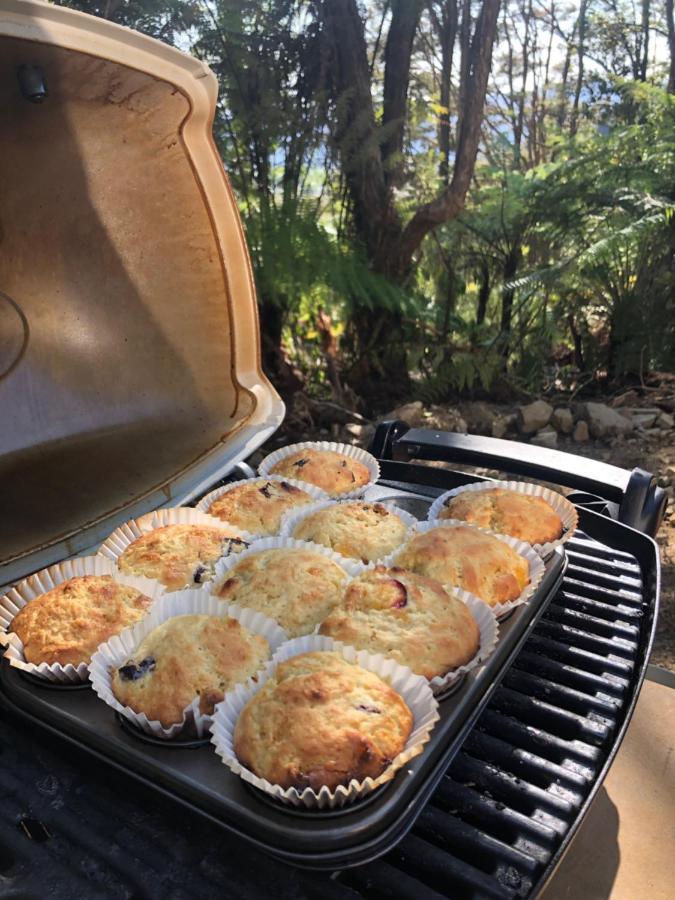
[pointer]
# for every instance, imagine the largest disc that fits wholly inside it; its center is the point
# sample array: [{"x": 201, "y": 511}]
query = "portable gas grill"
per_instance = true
[{"x": 121, "y": 396}]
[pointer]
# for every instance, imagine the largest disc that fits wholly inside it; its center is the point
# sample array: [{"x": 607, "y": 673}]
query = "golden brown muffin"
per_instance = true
[
  {"x": 527, "y": 518},
  {"x": 334, "y": 473},
  {"x": 407, "y": 617},
  {"x": 466, "y": 558},
  {"x": 67, "y": 624},
  {"x": 365, "y": 531},
  {"x": 321, "y": 721},
  {"x": 185, "y": 657},
  {"x": 296, "y": 587},
  {"x": 258, "y": 506},
  {"x": 180, "y": 555}
]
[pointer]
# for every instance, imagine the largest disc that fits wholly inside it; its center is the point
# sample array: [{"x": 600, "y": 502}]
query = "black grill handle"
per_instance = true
[{"x": 641, "y": 502}]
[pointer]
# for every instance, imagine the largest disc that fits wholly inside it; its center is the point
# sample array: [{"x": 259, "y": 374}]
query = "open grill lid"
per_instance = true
[{"x": 130, "y": 373}]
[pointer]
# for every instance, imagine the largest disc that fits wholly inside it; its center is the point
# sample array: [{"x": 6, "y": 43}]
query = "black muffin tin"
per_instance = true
[{"x": 191, "y": 773}]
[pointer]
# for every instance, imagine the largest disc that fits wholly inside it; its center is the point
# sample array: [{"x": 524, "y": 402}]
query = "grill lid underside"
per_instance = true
[{"x": 129, "y": 349}]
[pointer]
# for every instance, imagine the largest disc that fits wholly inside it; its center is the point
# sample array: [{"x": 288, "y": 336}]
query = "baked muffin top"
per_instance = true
[
  {"x": 467, "y": 558},
  {"x": 185, "y": 657},
  {"x": 359, "y": 530},
  {"x": 258, "y": 506},
  {"x": 67, "y": 624},
  {"x": 407, "y": 617},
  {"x": 320, "y": 720},
  {"x": 333, "y": 472},
  {"x": 527, "y": 518},
  {"x": 180, "y": 556},
  {"x": 294, "y": 586}
]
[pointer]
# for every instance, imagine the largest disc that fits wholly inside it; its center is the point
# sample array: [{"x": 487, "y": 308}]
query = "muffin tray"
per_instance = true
[{"x": 191, "y": 773}]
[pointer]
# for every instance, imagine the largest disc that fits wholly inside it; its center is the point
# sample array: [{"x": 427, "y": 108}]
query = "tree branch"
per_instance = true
[{"x": 450, "y": 202}]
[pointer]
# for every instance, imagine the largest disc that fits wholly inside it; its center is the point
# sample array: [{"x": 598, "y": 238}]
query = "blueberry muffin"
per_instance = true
[
  {"x": 407, "y": 617},
  {"x": 186, "y": 657},
  {"x": 527, "y": 518},
  {"x": 321, "y": 721},
  {"x": 359, "y": 530},
  {"x": 333, "y": 472},
  {"x": 180, "y": 556},
  {"x": 294, "y": 586},
  {"x": 257, "y": 506},
  {"x": 67, "y": 624},
  {"x": 467, "y": 558}
]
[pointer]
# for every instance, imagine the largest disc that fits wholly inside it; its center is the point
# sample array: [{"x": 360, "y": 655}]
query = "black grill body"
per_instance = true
[{"x": 496, "y": 825}]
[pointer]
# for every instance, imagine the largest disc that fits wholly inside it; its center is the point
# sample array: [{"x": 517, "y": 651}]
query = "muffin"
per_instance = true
[
  {"x": 180, "y": 556},
  {"x": 257, "y": 506},
  {"x": 407, "y": 617},
  {"x": 333, "y": 472},
  {"x": 467, "y": 558},
  {"x": 67, "y": 624},
  {"x": 186, "y": 657},
  {"x": 321, "y": 721},
  {"x": 522, "y": 516},
  {"x": 365, "y": 531},
  {"x": 296, "y": 587}
]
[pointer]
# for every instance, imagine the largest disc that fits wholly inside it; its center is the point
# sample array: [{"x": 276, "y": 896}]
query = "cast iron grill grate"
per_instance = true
[{"x": 493, "y": 827}]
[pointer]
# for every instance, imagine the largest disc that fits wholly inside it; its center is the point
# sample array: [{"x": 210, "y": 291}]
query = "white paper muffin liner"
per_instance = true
[
  {"x": 34, "y": 586},
  {"x": 121, "y": 538},
  {"x": 349, "y": 450},
  {"x": 566, "y": 510},
  {"x": 350, "y": 567},
  {"x": 114, "y": 652},
  {"x": 500, "y": 610},
  {"x": 210, "y": 498},
  {"x": 293, "y": 517},
  {"x": 414, "y": 689}
]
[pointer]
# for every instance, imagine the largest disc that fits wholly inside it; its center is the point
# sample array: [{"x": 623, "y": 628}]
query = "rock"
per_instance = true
[
  {"x": 580, "y": 434},
  {"x": 547, "y": 437},
  {"x": 479, "y": 417},
  {"x": 603, "y": 421},
  {"x": 534, "y": 416},
  {"x": 641, "y": 418},
  {"x": 410, "y": 413},
  {"x": 445, "y": 418},
  {"x": 562, "y": 420},
  {"x": 499, "y": 427},
  {"x": 665, "y": 420}
]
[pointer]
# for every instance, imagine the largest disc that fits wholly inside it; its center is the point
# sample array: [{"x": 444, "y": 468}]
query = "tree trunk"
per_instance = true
[
  {"x": 508, "y": 293},
  {"x": 581, "y": 49},
  {"x": 578, "y": 345},
  {"x": 670, "y": 22},
  {"x": 447, "y": 32},
  {"x": 276, "y": 364},
  {"x": 397, "y": 52},
  {"x": 483, "y": 293},
  {"x": 451, "y": 202}
]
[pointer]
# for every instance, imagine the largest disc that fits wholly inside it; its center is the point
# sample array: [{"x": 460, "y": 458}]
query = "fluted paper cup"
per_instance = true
[
  {"x": 566, "y": 510},
  {"x": 121, "y": 538},
  {"x": 293, "y": 517},
  {"x": 46, "y": 580},
  {"x": 113, "y": 653},
  {"x": 414, "y": 689},
  {"x": 534, "y": 561},
  {"x": 209, "y": 499},
  {"x": 348, "y": 450}
]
